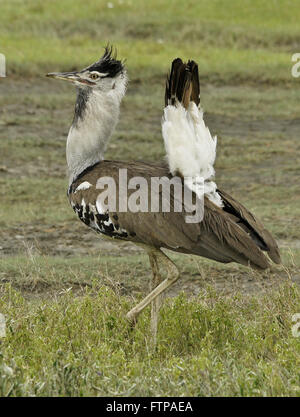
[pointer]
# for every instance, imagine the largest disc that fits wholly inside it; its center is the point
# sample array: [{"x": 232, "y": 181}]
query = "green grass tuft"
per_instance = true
[{"x": 239, "y": 346}]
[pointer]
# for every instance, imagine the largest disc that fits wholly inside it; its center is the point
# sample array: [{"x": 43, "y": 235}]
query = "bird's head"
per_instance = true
[{"x": 104, "y": 75}]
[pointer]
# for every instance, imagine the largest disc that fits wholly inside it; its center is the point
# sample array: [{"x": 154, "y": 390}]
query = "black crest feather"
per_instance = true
[{"x": 108, "y": 63}]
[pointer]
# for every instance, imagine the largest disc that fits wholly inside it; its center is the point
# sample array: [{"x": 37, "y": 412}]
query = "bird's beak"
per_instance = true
[{"x": 69, "y": 76}]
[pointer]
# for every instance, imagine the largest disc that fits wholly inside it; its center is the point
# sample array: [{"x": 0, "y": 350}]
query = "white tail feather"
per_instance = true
[{"x": 190, "y": 148}]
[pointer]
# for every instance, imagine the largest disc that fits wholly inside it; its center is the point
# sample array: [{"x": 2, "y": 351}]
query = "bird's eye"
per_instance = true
[{"x": 94, "y": 76}]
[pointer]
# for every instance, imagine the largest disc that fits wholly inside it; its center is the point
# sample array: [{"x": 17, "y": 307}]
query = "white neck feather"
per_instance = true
[{"x": 89, "y": 136}]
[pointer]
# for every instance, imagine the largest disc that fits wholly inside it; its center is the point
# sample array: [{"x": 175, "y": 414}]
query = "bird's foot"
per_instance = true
[{"x": 132, "y": 320}]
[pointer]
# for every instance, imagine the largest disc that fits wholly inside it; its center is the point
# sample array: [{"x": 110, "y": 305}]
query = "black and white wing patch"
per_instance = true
[{"x": 83, "y": 199}]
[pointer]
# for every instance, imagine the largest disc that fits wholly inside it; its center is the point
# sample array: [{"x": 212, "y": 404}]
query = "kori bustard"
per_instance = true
[{"x": 228, "y": 232}]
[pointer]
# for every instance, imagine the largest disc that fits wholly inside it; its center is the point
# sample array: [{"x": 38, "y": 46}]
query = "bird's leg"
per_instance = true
[
  {"x": 172, "y": 277},
  {"x": 156, "y": 303}
]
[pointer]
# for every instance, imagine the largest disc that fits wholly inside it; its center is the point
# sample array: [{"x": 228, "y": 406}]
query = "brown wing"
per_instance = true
[
  {"x": 254, "y": 226},
  {"x": 224, "y": 235}
]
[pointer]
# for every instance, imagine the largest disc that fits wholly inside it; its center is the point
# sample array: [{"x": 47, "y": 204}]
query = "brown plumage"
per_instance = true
[{"x": 230, "y": 234}]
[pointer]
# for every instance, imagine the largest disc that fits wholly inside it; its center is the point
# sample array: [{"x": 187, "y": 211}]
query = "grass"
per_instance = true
[
  {"x": 207, "y": 346},
  {"x": 63, "y": 290},
  {"x": 256, "y": 35}
]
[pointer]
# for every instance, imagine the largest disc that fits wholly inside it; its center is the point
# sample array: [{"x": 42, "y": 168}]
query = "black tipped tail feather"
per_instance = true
[{"x": 183, "y": 84}]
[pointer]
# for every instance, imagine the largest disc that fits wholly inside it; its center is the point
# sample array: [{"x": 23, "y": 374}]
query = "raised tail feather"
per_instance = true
[
  {"x": 183, "y": 84},
  {"x": 190, "y": 148},
  {"x": 228, "y": 232}
]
